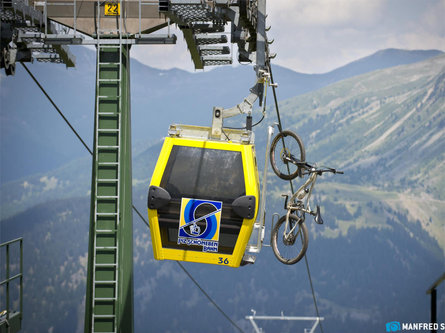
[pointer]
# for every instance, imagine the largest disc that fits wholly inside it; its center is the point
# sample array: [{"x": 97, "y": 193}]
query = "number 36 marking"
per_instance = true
[{"x": 222, "y": 260}]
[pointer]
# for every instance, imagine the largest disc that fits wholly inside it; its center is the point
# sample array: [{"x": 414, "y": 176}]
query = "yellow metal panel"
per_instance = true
[
  {"x": 162, "y": 162},
  {"x": 153, "y": 213},
  {"x": 250, "y": 175}
]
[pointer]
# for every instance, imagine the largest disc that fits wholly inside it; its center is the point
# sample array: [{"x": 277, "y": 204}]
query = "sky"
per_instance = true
[{"x": 316, "y": 36}]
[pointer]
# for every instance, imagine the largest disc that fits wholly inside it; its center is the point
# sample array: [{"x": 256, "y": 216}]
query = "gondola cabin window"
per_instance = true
[{"x": 212, "y": 176}]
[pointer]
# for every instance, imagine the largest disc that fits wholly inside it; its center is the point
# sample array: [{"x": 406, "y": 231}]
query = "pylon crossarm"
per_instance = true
[{"x": 254, "y": 317}]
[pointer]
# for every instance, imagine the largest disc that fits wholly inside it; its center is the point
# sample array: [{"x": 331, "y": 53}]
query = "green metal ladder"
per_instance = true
[
  {"x": 107, "y": 187},
  {"x": 106, "y": 293}
]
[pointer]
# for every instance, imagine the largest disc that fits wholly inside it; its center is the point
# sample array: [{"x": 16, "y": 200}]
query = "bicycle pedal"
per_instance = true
[{"x": 317, "y": 218}]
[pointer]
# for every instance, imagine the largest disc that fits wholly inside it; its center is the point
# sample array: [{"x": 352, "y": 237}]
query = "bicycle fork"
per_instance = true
[{"x": 292, "y": 229}]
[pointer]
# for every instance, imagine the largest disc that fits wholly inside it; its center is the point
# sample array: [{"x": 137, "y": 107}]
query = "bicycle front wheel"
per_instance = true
[
  {"x": 290, "y": 247},
  {"x": 286, "y": 146}
]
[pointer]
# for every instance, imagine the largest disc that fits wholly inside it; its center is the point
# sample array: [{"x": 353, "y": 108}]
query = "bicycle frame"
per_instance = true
[{"x": 296, "y": 203}]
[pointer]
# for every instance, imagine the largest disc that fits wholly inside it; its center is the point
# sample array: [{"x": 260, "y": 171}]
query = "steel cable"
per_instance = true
[{"x": 292, "y": 189}]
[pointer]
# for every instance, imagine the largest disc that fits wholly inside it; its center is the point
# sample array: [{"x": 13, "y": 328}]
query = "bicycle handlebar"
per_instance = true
[{"x": 311, "y": 169}]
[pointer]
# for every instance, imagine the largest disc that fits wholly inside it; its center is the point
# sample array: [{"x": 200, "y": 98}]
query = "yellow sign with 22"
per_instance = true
[{"x": 112, "y": 9}]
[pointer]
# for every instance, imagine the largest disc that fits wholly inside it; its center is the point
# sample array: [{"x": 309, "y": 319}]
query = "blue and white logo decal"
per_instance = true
[{"x": 199, "y": 223}]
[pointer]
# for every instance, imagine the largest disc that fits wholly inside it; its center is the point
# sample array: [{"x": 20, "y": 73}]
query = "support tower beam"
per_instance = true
[{"x": 109, "y": 296}]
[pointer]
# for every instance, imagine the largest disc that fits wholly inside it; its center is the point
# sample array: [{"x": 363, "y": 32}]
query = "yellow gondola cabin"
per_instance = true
[{"x": 203, "y": 196}]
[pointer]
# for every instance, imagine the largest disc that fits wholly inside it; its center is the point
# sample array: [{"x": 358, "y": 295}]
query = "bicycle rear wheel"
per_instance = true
[
  {"x": 290, "y": 250},
  {"x": 286, "y": 145}
]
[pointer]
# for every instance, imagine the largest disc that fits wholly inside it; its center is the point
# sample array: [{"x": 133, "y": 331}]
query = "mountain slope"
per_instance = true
[
  {"x": 384, "y": 123},
  {"x": 386, "y": 129},
  {"x": 380, "y": 60}
]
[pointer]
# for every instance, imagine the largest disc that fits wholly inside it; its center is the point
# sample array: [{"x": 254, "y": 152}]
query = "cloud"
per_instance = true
[
  {"x": 315, "y": 36},
  {"x": 26, "y": 185},
  {"x": 50, "y": 183},
  {"x": 432, "y": 18},
  {"x": 165, "y": 56},
  {"x": 320, "y": 35},
  {"x": 326, "y": 13}
]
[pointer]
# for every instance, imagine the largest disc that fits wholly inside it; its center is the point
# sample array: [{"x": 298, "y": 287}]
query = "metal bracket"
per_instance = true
[
  {"x": 205, "y": 133},
  {"x": 245, "y": 107}
]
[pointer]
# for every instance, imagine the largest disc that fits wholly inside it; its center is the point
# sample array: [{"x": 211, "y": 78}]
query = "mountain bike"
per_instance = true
[{"x": 291, "y": 226}]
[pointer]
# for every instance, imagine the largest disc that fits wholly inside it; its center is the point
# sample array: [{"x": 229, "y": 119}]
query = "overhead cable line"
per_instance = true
[
  {"x": 312, "y": 289},
  {"x": 209, "y": 298},
  {"x": 134, "y": 208},
  {"x": 280, "y": 128},
  {"x": 58, "y": 110}
]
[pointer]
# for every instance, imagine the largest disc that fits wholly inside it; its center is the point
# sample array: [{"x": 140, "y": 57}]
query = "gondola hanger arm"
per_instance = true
[{"x": 245, "y": 107}]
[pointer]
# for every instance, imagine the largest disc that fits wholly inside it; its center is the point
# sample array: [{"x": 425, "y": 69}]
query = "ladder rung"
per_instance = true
[
  {"x": 105, "y": 282},
  {"x": 113, "y": 64},
  {"x": 103, "y": 96},
  {"x": 106, "y": 214},
  {"x": 106, "y": 231},
  {"x": 103, "y": 316},
  {"x": 107, "y": 147},
  {"x": 105, "y": 265},
  {"x": 108, "y": 113},
  {"x": 107, "y": 196},
  {"x": 109, "y": 80},
  {"x": 108, "y": 163},
  {"x": 109, "y": 180},
  {"x": 105, "y": 299},
  {"x": 108, "y": 130}
]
